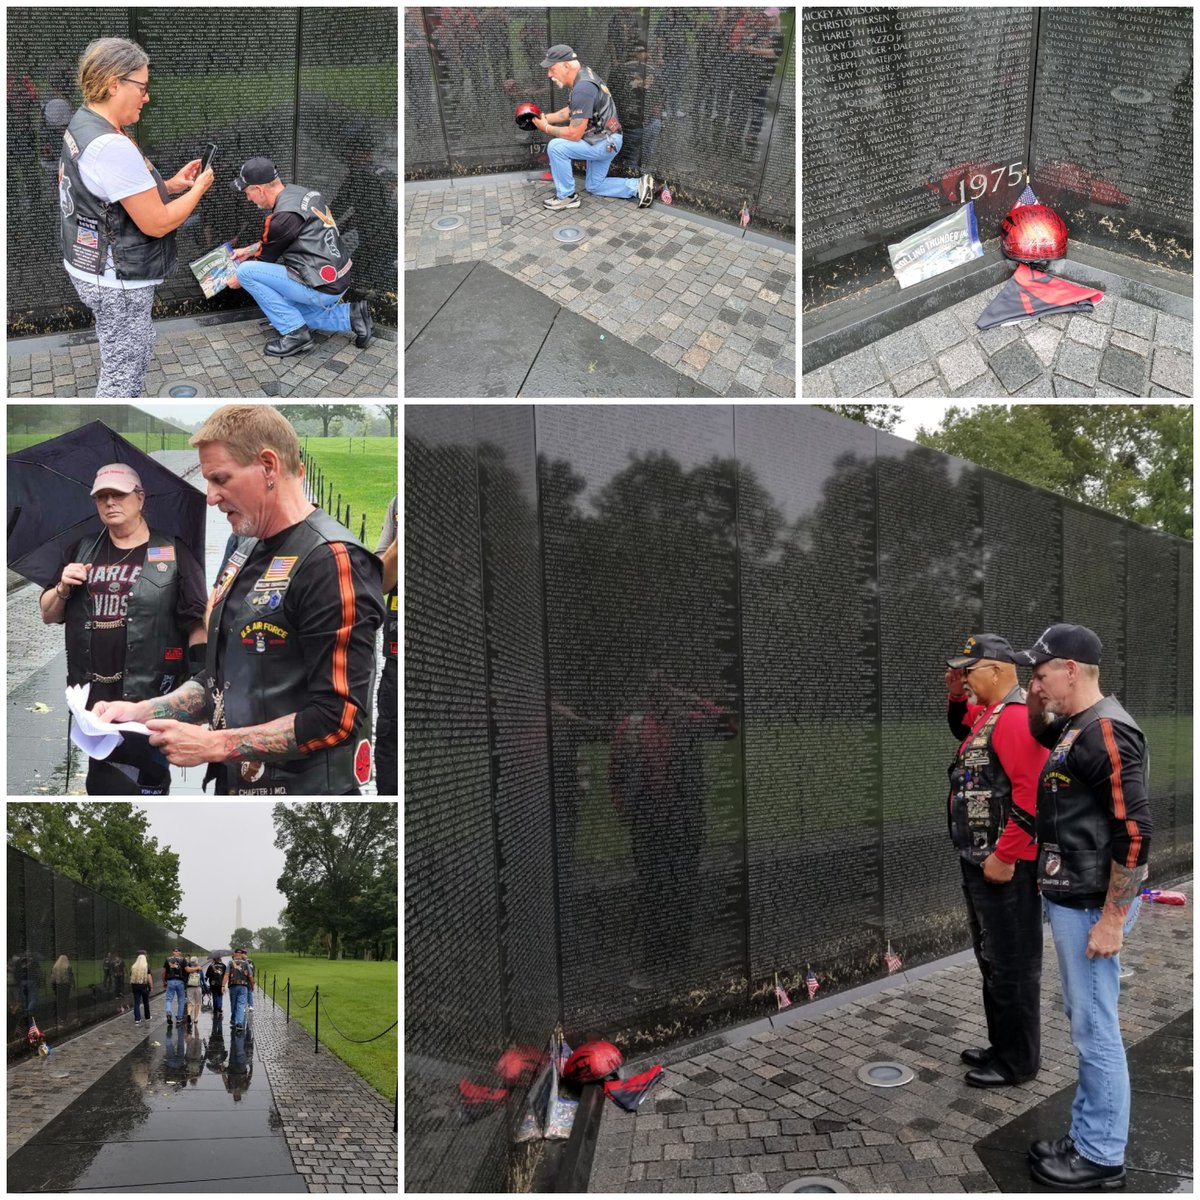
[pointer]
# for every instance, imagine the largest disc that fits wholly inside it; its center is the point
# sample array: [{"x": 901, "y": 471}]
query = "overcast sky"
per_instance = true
[{"x": 226, "y": 848}]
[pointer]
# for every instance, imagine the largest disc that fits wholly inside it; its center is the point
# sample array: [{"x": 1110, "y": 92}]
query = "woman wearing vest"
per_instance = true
[
  {"x": 132, "y": 600},
  {"x": 301, "y": 267},
  {"x": 118, "y": 220},
  {"x": 289, "y": 676}
]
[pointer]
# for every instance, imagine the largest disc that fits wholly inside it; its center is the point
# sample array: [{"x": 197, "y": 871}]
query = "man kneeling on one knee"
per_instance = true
[{"x": 299, "y": 270}]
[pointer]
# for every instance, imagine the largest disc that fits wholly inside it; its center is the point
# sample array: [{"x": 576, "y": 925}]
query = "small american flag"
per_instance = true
[
  {"x": 160, "y": 554},
  {"x": 810, "y": 982},
  {"x": 781, "y": 997},
  {"x": 1026, "y": 197},
  {"x": 892, "y": 960}
]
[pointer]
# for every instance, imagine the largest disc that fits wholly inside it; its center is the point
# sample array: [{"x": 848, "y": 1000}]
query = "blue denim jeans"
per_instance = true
[
  {"x": 237, "y": 1004},
  {"x": 560, "y": 153},
  {"x": 174, "y": 988},
  {"x": 289, "y": 305},
  {"x": 1091, "y": 987}
]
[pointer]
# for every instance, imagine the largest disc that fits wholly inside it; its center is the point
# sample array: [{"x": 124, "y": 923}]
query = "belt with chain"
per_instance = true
[
  {"x": 117, "y": 624},
  {"x": 108, "y": 678}
]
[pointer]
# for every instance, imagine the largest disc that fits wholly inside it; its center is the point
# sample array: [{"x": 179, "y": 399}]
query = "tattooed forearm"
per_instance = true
[
  {"x": 262, "y": 743},
  {"x": 185, "y": 703},
  {"x": 1123, "y": 886}
]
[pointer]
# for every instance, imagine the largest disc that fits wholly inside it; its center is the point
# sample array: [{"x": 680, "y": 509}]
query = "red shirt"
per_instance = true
[{"x": 1022, "y": 759}]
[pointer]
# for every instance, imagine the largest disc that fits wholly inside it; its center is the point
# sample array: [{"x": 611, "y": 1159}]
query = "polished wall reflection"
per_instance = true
[
  {"x": 706, "y": 96},
  {"x": 675, "y": 721},
  {"x": 69, "y": 953}
]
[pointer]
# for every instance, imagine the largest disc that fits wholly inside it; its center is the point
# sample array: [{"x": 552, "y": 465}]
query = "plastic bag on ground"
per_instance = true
[{"x": 942, "y": 246}]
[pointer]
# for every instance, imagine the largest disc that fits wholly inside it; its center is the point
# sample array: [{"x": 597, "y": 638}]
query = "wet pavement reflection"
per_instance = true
[{"x": 181, "y": 1112}]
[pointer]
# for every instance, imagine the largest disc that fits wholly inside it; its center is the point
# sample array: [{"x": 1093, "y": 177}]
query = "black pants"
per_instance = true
[
  {"x": 387, "y": 733},
  {"x": 1006, "y": 932}
]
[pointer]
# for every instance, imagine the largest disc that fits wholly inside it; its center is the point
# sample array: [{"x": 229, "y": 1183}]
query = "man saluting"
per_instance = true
[{"x": 289, "y": 675}]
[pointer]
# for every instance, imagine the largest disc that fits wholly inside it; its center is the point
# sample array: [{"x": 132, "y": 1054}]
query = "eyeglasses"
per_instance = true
[
  {"x": 968, "y": 670},
  {"x": 144, "y": 86}
]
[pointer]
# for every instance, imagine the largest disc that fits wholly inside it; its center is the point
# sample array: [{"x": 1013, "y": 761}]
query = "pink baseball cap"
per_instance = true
[{"x": 118, "y": 477}]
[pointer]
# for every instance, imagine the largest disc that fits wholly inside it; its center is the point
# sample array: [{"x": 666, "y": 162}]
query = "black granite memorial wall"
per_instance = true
[
  {"x": 708, "y": 106},
  {"x": 675, "y": 720},
  {"x": 1093, "y": 104},
  {"x": 63, "y": 943},
  {"x": 313, "y": 89}
]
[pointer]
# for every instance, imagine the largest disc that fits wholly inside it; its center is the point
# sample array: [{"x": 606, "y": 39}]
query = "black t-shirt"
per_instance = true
[{"x": 110, "y": 580}]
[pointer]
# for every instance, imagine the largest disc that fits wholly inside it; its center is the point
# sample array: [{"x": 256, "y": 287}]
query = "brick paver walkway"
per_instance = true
[
  {"x": 340, "y": 1130},
  {"x": 760, "y": 1112},
  {"x": 708, "y": 303},
  {"x": 226, "y": 359},
  {"x": 41, "y": 1088},
  {"x": 1121, "y": 348}
]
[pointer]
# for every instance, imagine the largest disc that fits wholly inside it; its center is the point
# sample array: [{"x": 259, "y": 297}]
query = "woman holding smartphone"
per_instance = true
[{"x": 118, "y": 219}]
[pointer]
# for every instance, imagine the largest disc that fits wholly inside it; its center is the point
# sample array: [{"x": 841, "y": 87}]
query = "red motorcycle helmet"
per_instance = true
[
  {"x": 525, "y": 114},
  {"x": 1033, "y": 233},
  {"x": 592, "y": 1062}
]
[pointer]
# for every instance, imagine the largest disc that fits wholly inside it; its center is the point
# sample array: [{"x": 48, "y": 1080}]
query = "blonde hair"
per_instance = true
[
  {"x": 245, "y": 429},
  {"x": 104, "y": 61},
  {"x": 140, "y": 970}
]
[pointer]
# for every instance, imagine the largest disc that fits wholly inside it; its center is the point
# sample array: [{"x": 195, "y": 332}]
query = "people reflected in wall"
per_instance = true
[
  {"x": 118, "y": 977},
  {"x": 62, "y": 979},
  {"x": 657, "y": 787},
  {"x": 755, "y": 45},
  {"x": 639, "y": 101},
  {"x": 24, "y": 971}
]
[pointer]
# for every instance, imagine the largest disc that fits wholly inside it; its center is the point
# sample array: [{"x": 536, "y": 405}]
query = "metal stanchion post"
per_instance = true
[
  {"x": 317, "y": 1019},
  {"x": 289, "y": 1001}
]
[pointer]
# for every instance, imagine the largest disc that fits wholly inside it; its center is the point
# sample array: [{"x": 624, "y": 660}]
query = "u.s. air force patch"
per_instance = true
[{"x": 261, "y": 636}]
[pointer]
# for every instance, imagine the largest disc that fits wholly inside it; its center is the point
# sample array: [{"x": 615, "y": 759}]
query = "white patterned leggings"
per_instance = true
[{"x": 126, "y": 335}]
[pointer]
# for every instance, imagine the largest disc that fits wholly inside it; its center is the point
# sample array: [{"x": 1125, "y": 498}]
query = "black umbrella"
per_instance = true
[{"x": 50, "y": 506}]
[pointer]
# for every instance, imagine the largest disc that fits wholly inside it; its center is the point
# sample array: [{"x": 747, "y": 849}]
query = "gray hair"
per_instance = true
[{"x": 105, "y": 61}]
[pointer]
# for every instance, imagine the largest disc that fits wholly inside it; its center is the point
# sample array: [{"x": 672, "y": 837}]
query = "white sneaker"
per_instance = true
[{"x": 646, "y": 191}]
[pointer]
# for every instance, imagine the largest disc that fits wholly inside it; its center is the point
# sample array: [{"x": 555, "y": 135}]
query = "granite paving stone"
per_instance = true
[
  {"x": 1172, "y": 370},
  {"x": 1015, "y": 365},
  {"x": 1078, "y": 362},
  {"x": 1123, "y": 369},
  {"x": 922, "y": 1137},
  {"x": 1134, "y": 318},
  {"x": 962, "y": 365},
  {"x": 1084, "y": 329}
]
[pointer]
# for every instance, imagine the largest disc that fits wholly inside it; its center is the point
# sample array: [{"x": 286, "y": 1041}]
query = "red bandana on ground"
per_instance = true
[{"x": 1034, "y": 293}]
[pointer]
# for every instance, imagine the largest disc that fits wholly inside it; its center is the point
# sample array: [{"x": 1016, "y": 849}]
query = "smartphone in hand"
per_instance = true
[{"x": 210, "y": 152}]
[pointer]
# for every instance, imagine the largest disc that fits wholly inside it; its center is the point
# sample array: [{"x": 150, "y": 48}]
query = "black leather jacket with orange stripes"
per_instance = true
[
  {"x": 1093, "y": 805},
  {"x": 292, "y": 630}
]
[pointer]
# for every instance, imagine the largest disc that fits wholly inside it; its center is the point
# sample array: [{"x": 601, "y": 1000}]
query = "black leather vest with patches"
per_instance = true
[
  {"x": 981, "y": 792},
  {"x": 155, "y": 646},
  {"x": 260, "y": 673},
  {"x": 317, "y": 257},
  {"x": 1074, "y": 828},
  {"x": 604, "y": 120},
  {"x": 89, "y": 227}
]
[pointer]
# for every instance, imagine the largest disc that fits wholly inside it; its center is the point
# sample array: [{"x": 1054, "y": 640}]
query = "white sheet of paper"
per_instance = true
[{"x": 96, "y": 737}]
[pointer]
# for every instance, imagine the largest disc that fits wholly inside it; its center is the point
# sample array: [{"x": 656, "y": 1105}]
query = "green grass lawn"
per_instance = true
[
  {"x": 359, "y": 997},
  {"x": 366, "y": 471}
]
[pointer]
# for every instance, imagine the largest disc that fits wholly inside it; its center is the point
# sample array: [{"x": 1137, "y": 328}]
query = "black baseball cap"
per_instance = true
[
  {"x": 558, "y": 54},
  {"x": 1076, "y": 642},
  {"x": 254, "y": 170},
  {"x": 979, "y": 646}
]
